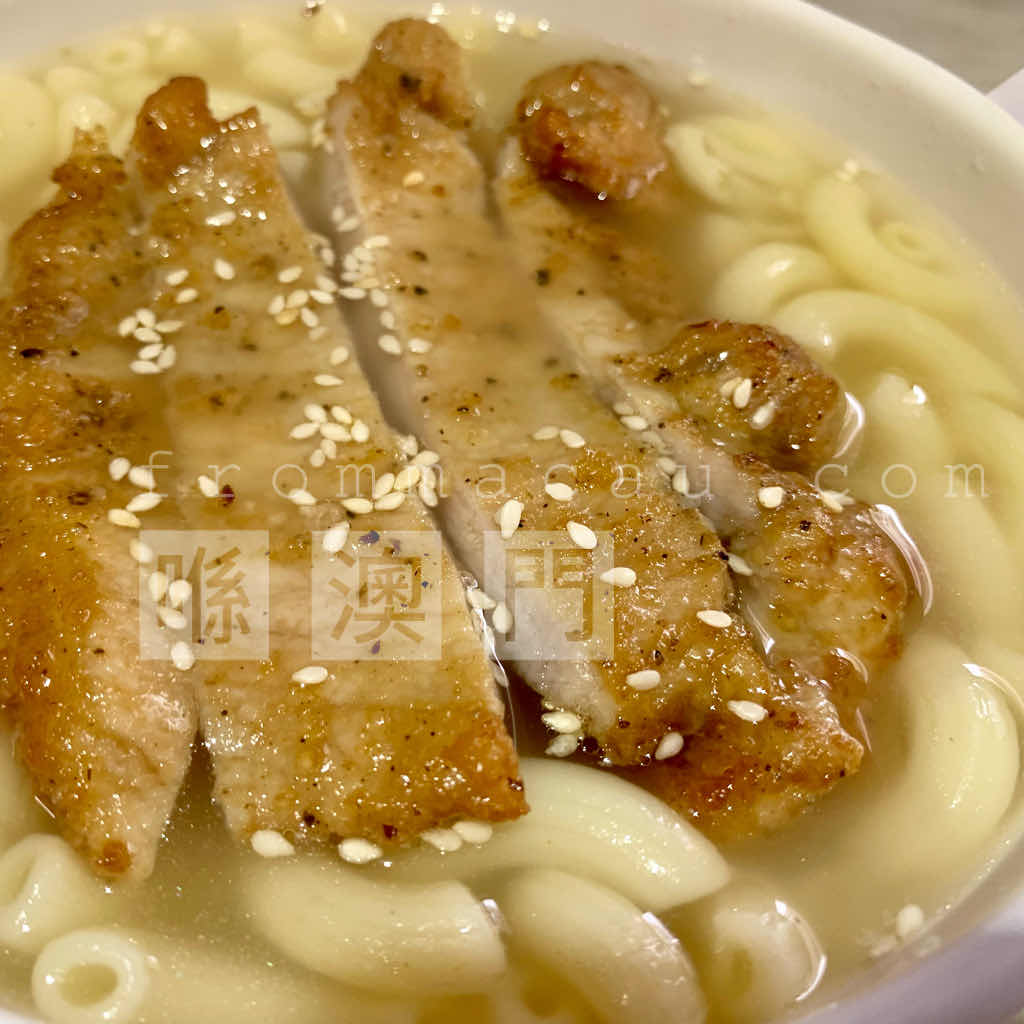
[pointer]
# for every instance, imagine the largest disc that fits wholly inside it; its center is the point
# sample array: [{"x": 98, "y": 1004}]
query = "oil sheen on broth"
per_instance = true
[{"x": 775, "y": 224}]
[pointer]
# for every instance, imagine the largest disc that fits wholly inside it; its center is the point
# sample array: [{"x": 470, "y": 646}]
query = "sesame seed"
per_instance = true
[
  {"x": 427, "y": 495},
  {"x": 168, "y": 326},
  {"x": 563, "y": 745},
  {"x": 390, "y": 501},
  {"x": 186, "y": 295},
  {"x": 357, "y": 506},
  {"x": 560, "y": 492},
  {"x": 835, "y": 501},
  {"x": 715, "y": 619},
  {"x": 571, "y": 439},
  {"x": 314, "y": 412},
  {"x": 157, "y": 585},
  {"x": 562, "y": 721},
  {"x": 419, "y": 346},
  {"x": 297, "y": 299},
  {"x": 317, "y": 458},
  {"x": 309, "y": 317},
  {"x": 645, "y": 679},
  {"x": 311, "y": 675},
  {"x": 276, "y": 307},
  {"x": 475, "y": 832},
  {"x": 328, "y": 446},
  {"x": 740, "y": 566},
  {"x": 334, "y": 539},
  {"x": 118, "y": 468},
  {"x": 510, "y": 515},
  {"x": 763, "y": 416},
  {"x": 144, "y": 502},
  {"x": 142, "y": 476},
  {"x": 325, "y": 283},
  {"x": 167, "y": 358},
  {"x": 143, "y": 367},
  {"x": 478, "y": 599},
  {"x": 142, "y": 553},
  {"x": 127, "y": 326},
  {"x": 670, "y": 745},
  {"x": 620, "y": 576},
  {"x": 413, "y": 178},
  {"x": 303, "y": 430},
  {"x": 176, "y": 278},
  {"x": 222, "y": 220},
  {"x": 146, "y": 317},
  {"x": 360, "y": 432},
  {"x": 349, "y": 223},
  {"x": 339, "y": 355},
  {"x": 207, "y": 486},
  {"x": 179, "y": 592},
  {"x": 378, "y": 298},
  {"x": 290, "y": 274},
  {"x": 353, "y": 294},
  {"x": 623, "y": 409},
  {"x": 545, "y": 434},
  {"x": 443, "y": 839},
  {"x": 377, "y": 242},
  {"x": 317, "y": 333},
  {"x": 268, "y": 843},
  {"x": 334, "y": 432},
  {"x": 770, "y": 497},
  {"x": 383, "y": 485},
  {"x": 667, "y": 465},
  {"x": 408, "y": 478},
  {"x": 426, "y": 458},
  {"x": 681, "y": 481},
  {"x": 748, "y": 710},
  {"x": 327, "y": 380},
  {"x": 359, "y": 851},
  {"x": 501, "y": 619},
  {"x": 408, "y": 445},
  {"x": 341, "y": 414},
  {"x": 909, "y": 920},
  {"x": 298, "y": 496},
  {"x": 122, "y": 517},
  {"x": 390, "y": 344},
  {"x": 634, "y": 422},
  {"x": 741, "y": 394},
  {"x": 223, "y": 269},
  {"x": 171, "y": 617},
  {"x": 582, "y": 536},
  {"x": 182, "y": 656},
  {"x": 147, "y": 335},
  {"x": 320, "y": 296},
  {"x": 287, "y": 318},
  {"x": 730, "y": 386},
  {"x": 387, "y": 319}
]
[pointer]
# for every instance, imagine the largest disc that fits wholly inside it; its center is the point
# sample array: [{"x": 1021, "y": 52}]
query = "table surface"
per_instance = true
[{"x": 982, "y": 41}]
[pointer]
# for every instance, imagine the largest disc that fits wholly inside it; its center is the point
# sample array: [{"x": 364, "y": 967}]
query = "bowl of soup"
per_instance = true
[{"x": 508, "y": 516}]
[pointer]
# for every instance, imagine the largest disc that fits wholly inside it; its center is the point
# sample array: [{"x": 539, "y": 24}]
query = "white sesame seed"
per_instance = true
[
  {"x": 390, "y": 501},
  {"x": 269, "y": 843},
  {"x": 729, "y": 387},
  {"x": 378, "y": 298},
  {"x": 142, "y": 476},
  {"x": 623, "y": 409},
  {"x": 317, "y": 458},
  {"x": 563, "y": 745},
  {"x": 571, "y": 439},
  {"x": 390, "y": 344},
  {"x": 360, "y": 432},
  {"x": 290, "y": 274},
  {"x": 176, "y": 278},
  {"x": 207, "y": 486},
  {"x": 770, "y": 497},
  {"x": 715, "y": 619},
  {"x": 276, "y": 307},
  {"x": 408, "y": 478},
  {"x": 335, "y": 538},
  {"x": 501, "y": 618},
  {"x": 681, "y": 481},
  {"x": 909, "y": 920},
  {"x": 560, "y": 492},
  {"x": 303, "y": 430},
  {"x": 582, "y": 536},
  {"x": 426, "y": 458},
  {"x": 127, "y": 326},
  {"x": 287, "y": 318},
  {"x": 118, "y": 468},
  {"x": 186, "y": 295},
  {"x": 167, "y": 358},
  {"x": 157, "y": 585},
  {"x": 384, "y": 484},
  {"x": 835, "y": 501},
  {"x": 377, "y": 242},
  {"x": 670, "y": 745},
  {"x": 443, "y": 839},
  {"x": 334, "y": 432},
  {"x": 387, "y": 319},
  {"x": 620, "y": 576},
  {"x": 634, "y": 422},
  {"x": 408, "y": 445},
  {"x": 168, "y": 326},
  {"x": 325, "y": 283},
  {"x": 349, "y": 223},
  {"x": 146, "y": 317},
  {"x": 148, "y": 336},
  {"x": 318, "y": 295},
  {"x": 475, "y": 832},
  {"x": 182, "y": 656},
  {"x": 298, "y": 496},
  {"x": 223, "y": 269},
  {"x": 311, "y": 675},
  {"x": 339, "y": 355},
  {"x": 144, "y": 502},
  {"x": 742, "y": 392},
  {"x": 359, "y": 851},
  {"x": 353, "y": 294},
  {"x": 142, "y": 553},
  {"x": 341, "y": 414},
  {"x": 178, "y": 592},
  {"x": 328, "y": 447},
  {"x": 645, "y": 679},
  {"x": 763, "y": 416},
  {"x": 420, "y": 346},
  {"x": 413, "y": 178},
  {"x": 314, "y": 412},
  {"x": 357, "y": 506},
  {"x": 740, "y": 566},
  {"x": 562, "y": 721},
  {"x": 510, "y": 515},
  {"x": 143, "y": 367},
  {"x": 309, "y": 317},
  {"x": 327, "y": 380},
  {"x": 427, "y": 495},
  {"x": 667, "y": 465},
  {"x": 171, "y": 617},
  {"x": 122, "y": 517},
  {"x": 748, "y": 710},
  {"x": 478, "y": 599},
  {"x": 222, "y": 220},
  {"x": 297, "y": 299}
]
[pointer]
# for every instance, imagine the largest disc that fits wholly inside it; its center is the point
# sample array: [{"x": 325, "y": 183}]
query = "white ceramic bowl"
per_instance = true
[{"x": 956, "y": 150}]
